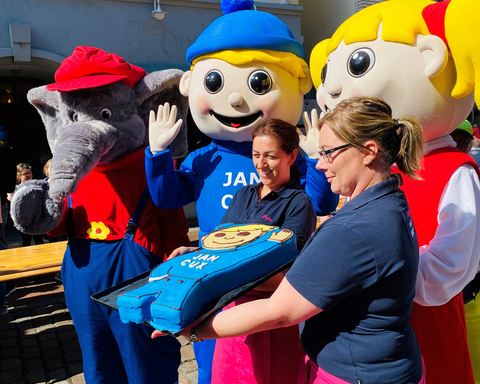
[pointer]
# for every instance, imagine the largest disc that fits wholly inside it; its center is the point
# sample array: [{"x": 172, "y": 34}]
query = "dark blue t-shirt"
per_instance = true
[
  {"x": 288, "y": 208},
  {"x": 360, "y": 268}
]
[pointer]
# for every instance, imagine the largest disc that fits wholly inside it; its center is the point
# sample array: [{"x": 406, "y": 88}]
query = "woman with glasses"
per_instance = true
[{"x": 354, "y": 282}]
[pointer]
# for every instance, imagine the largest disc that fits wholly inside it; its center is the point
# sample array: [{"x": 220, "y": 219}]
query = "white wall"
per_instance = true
[{"x": 321, "y": 18}]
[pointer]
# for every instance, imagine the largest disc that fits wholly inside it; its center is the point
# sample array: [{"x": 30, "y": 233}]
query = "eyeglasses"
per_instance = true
[
  {"x": 26, "y": 173},
  {"x": 326, "y": 154}
]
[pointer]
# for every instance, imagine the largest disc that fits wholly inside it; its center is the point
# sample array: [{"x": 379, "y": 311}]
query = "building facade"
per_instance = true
[{"x": 37, "y": 35}]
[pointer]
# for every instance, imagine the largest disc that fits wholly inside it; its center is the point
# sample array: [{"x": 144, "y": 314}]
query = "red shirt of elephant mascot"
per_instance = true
[
  {"x": 95, "y": 116},
  {"x": 422, "y": 58}
]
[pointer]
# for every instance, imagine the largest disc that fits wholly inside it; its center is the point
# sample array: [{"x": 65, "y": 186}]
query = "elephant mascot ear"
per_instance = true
[
  {"x": 48, "y": 106},
  {"x": 158, "y": 88}
]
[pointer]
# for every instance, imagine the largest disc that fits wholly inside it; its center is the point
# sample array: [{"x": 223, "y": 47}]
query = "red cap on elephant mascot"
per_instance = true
[{"x": 90, "y": 67}]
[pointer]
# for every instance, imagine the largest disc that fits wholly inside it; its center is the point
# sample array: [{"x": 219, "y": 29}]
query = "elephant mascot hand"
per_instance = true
[
  {"x": 32, "y": 196},
  {"x": 92, "y": 126}
]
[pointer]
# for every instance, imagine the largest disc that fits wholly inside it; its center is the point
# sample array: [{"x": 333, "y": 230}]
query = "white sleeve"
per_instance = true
[{"x": 451, "y": 259}]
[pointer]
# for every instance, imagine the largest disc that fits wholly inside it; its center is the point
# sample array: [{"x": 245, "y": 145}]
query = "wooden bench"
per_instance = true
[
  {"x": 39, "y": 259},
  {"x": 31, "y": 261}
]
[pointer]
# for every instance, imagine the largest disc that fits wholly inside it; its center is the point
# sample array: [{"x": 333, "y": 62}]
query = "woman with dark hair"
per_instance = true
[
  {"x": 270, "y": 357},
  {"x": 277, "y": 199},
  {"x": 353, "y": 284}
]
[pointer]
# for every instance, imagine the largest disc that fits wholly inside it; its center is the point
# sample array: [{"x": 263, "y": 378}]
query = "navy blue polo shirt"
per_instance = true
[
  {"x": 360, "y": 268},
  {"x": 289, "y": 208}
]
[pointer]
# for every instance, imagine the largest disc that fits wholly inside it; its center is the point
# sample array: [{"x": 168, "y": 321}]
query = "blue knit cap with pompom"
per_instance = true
[
  {"x": 241, "y": 27},
  {"x": 229, "y": 6}
]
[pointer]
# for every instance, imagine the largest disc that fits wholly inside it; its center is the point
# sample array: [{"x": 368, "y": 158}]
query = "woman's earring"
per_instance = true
[{"x": 367, "y": 162}]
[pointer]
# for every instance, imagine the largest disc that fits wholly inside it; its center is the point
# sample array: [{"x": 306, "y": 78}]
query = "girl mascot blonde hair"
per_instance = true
[{"x": 422, "y": 58}]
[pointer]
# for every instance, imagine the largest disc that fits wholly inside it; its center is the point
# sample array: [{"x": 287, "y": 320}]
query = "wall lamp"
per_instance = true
[{"x": 157, "y": 12}]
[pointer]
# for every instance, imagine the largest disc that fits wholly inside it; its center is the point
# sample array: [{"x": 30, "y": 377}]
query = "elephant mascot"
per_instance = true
[{"x": 96, "y": 118}]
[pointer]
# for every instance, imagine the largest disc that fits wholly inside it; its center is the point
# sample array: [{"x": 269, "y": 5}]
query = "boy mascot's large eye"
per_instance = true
[
  {"x": 214, "y": 81},
  {"x": 260, "y": 82},
  {"x": 360, "y": 62}
]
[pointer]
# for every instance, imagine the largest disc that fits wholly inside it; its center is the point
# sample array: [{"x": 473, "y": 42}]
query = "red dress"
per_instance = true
[{"x": 440, "y": 330}]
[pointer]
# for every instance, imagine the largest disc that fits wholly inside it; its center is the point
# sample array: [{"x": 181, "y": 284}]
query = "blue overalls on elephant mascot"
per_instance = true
[
  {"x": 247, "y": 68},
  {"x": 95, "y": 116},
  {"x": 91, "y": 265}
]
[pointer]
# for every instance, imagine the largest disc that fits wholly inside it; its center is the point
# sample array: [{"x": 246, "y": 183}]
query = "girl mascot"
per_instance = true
[{"x": 422, "y": 58}]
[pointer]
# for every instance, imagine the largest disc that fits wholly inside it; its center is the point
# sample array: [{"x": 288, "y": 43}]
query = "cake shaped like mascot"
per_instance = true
[
  {"x": 246, "y": 68},
  {"x": 95, "y": 115},
  {"x": 178, "y": 288},
  {"x": 423, "y": 59}
]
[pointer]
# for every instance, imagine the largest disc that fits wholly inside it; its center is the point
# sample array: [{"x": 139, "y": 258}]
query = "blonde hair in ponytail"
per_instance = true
[
  {"x": 360, "y": 119},
  {"x": 411, "y": 146}
]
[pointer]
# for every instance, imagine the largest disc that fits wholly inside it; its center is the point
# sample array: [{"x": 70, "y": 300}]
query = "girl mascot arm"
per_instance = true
[{"x": 422, "y": 58}]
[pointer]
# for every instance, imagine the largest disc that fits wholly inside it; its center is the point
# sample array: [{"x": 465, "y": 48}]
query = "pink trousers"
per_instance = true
[
  {"x": 311, "y": 373},
  {"x": 270, "y": 357}
]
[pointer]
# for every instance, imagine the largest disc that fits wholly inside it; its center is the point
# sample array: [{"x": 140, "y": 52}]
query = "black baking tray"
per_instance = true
[{"x": 108, "y": 297}]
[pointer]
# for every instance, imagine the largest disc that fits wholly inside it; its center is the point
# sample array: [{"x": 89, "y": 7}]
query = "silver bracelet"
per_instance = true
[{"x": 194, "y": 335}]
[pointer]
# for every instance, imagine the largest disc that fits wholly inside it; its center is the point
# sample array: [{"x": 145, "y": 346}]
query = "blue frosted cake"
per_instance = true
[{"x": 231, "y": 256}]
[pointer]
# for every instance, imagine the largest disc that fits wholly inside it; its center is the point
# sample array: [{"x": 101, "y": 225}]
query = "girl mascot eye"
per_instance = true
[
  {"x": 260, "y": 82},
  {"x": 360, "y": 62},
  {"x": 323, "y": 75},
  {"x": 214, "y": 81}
]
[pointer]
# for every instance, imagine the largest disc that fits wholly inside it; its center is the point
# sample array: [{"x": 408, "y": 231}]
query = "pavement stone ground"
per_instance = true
[{"x": 38, "y": 342}]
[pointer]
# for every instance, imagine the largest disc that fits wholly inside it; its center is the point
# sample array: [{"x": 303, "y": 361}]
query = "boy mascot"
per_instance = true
[
  {"x": 95, "y": 116},
  {"x": 422, "y": 58},
  {"x": 246, "y": 67}
]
